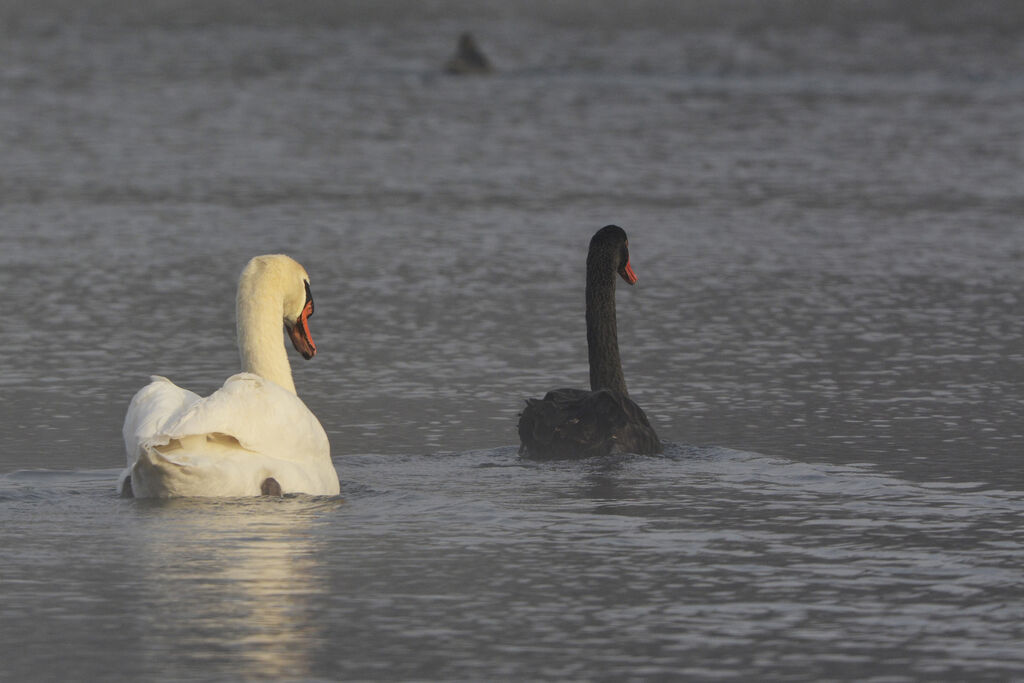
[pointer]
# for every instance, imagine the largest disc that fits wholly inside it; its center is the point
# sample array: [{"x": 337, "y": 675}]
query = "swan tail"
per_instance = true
[
  {"x": 218, "y": 465},
  {"x": 195, "y": 465}
]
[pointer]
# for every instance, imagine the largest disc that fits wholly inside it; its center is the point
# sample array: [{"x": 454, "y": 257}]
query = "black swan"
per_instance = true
[{"x": 577, "y": 423}]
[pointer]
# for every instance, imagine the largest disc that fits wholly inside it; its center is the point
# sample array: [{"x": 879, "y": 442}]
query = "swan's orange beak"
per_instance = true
[
  {"x": 627, "y": 274},
  {"x": 302, "y": 340}
]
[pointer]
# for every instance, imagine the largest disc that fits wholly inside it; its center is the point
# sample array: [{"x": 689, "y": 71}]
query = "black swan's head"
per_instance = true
[{"x": 609, "y": 248}]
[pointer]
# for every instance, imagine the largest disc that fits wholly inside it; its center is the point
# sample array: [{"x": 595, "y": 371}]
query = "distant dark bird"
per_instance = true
[
  {"x": 468, "y": 58},
  {"x": 576, "y": 423}
]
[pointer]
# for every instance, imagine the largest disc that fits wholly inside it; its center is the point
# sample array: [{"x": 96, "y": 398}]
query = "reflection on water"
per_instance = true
[{"x": 231, "y": 579}]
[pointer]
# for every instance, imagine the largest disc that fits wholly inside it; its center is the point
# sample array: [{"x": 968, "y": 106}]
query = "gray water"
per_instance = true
[{"x": 824, "y": 202}]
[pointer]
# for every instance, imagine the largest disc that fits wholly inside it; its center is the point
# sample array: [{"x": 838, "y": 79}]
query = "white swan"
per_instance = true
[{"x": 252, "y": 436}]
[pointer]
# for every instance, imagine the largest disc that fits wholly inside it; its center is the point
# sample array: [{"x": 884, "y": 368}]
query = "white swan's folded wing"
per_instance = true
[
  {"x": 258, "y": 414},
  {"x": 154, "y": 406}
]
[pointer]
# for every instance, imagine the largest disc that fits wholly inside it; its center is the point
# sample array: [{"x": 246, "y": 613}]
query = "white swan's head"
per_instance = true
[
  {"x": 273, "y": 278},
  {"x": 298, "y": 328}
]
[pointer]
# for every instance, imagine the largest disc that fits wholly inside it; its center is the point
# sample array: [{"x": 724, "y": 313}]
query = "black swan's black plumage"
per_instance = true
[{"x": 576, "y": 423}]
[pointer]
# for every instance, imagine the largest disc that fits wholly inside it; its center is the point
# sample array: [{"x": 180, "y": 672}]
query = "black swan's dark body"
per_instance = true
[{"x": 576, "y": 423}]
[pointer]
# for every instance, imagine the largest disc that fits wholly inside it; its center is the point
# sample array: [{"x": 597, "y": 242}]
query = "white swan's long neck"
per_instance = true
[{"x": 258, "y": 311}]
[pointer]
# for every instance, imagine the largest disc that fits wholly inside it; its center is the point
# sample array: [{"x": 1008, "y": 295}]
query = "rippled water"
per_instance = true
[
  {"x": 706, "y": 563},
  {"x": 824, "y": 206}
]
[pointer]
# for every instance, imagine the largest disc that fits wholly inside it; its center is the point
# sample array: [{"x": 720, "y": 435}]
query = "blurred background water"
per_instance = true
[{"x": 824, "y": 204}]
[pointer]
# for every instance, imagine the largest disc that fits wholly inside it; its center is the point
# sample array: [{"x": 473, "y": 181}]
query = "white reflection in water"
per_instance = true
[{"x": 233, "y": 582}]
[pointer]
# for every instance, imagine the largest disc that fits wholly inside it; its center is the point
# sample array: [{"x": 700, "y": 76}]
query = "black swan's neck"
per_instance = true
[{"x": 602, "y": 333}]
